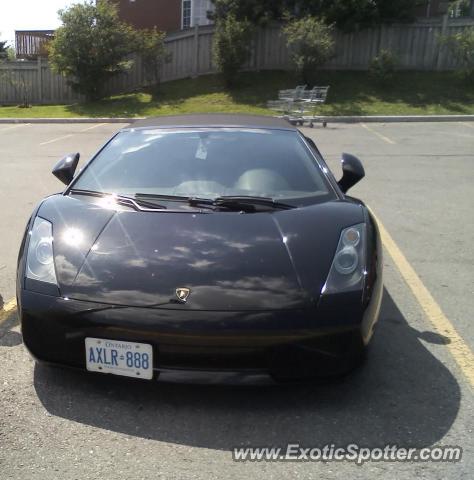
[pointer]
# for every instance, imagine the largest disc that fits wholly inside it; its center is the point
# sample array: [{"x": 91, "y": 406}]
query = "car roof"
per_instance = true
[{"x": 214, "y": 120}]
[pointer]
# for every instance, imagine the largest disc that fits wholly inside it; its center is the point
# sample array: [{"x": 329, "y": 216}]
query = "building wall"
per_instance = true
[
  {"x": 162, "y": 14},
  {"x": 166, "y": 15}
]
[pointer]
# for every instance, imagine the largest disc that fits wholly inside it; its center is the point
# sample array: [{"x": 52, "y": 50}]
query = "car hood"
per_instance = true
[{"x": 229, "y": 261}]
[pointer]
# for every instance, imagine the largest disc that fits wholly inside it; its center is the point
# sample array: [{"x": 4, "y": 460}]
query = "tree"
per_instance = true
[
  {"x": 311, "y": 44},
  {"x": 346, "y": 15},
  {"x": 91, "y": 46},
  {"x": 231, "y": 47},
  {"x": 11, "y": 54},
  {"x": 389, "y": 11},
  {"x": 255, "y": 11},
  {"x": 151, "y": 45},
  {"x": 3, "y": 50}
]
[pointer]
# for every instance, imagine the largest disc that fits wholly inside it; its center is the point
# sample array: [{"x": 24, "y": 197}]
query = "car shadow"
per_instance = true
[{"x": 402, "y": 395}]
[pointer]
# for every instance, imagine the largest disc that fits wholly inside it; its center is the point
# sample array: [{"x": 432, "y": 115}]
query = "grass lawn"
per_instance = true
[{"x": 351, "y": 93}]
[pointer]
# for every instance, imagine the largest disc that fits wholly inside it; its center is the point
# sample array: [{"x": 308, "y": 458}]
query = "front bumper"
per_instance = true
[{"x": 208, "y": 346}]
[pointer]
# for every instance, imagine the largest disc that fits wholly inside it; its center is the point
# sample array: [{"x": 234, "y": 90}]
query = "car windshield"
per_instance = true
[{"x": 208, "y": 163}]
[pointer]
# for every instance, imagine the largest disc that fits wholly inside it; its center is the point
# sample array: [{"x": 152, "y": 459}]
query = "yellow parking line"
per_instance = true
[
  {"x": 6, "y": 310},
  {"x": 458, "y": 348},
  {"x": 57, "y": 139},
  {"x": 382, "y": 137},
  {"x": 466, "y": 124},
  {"x": 14, "y": 126}
]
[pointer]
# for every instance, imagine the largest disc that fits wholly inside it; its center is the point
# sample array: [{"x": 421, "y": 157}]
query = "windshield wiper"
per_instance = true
[
  {"x": 193, "y": 201},
  {"x": 230, "y": 202},
  {"x": 171, "y": 198},
  {"x": 145, "y": 201},
  {"x": 126, "y": 200},
  {"x": 246, "y": 203}
]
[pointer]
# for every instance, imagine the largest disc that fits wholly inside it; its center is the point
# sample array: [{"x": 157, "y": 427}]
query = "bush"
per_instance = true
[
  {"x": 91, "y": 46},
  {"x": 311, "y": 44},
  {"x": 461, "y": 45},
  {"x": 382, "y": 67},
  {"x": 231, "y": 47}
]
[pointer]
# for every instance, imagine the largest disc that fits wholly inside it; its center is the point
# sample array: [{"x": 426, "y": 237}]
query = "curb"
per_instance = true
[
  {"x": 71, "y": 120},
  {"x": 329, "y": 119},
  {"x": 394, "y": 119}
]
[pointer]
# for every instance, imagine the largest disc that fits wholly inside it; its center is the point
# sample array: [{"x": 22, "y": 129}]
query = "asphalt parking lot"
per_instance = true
[{"x": 415, "y": 390}]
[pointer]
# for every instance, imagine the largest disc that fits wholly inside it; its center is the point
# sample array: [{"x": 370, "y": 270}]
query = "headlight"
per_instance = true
[
  {"x": 40, "y": 260},
  {"x": 348, "y": 267}
]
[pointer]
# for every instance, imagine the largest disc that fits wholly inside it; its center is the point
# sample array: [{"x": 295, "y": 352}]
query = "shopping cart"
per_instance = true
[
  {"x": 287, "y": 100},
  {"x": 317, "y": 96},
  {"x": 299, "y": 105}
]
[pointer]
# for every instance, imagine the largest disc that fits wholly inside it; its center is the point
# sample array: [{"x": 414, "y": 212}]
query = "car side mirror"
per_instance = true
[
  {"x": 352, "y": 172},
  {"x": 65, "y": 168}
]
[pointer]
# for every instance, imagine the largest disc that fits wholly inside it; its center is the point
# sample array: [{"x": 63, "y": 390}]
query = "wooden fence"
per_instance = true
[{"x": 416, "y": 46}]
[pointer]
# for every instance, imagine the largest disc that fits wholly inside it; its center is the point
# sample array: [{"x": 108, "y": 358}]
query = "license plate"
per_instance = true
[{"x": 117, "y": 357}]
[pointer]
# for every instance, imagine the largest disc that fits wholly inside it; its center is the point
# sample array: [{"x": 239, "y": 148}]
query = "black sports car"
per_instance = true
[{"x": 207, "y": 248}]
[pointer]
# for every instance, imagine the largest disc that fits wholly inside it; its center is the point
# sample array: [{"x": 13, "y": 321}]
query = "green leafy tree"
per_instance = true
[
  {"x": 3, "y": 50},
  {"x": 461, "y": 45},
  {"x": 151, "y": 45},
  {"x": 311, "y": 45},
  {"x": 255, "y": 11},
  {"x": 231, "y": 47},
  {"x": 91, "y": 46},
  {"x": 11, "y": 54},
  {"x": 346, "y": 15}
]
